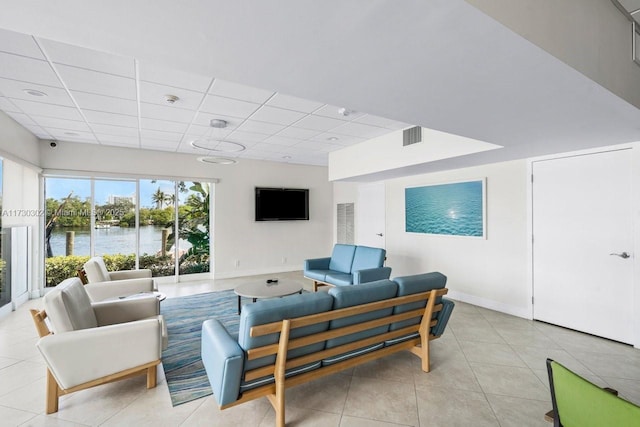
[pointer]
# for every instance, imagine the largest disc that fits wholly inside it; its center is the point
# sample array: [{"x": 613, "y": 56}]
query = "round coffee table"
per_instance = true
[{"x": 266, "y": 288}]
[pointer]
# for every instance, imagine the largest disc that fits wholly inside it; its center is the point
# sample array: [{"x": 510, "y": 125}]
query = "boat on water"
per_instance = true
[{"x": 99, "y": 226}]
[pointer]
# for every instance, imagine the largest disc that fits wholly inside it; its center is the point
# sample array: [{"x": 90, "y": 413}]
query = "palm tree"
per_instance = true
[
  {"x": 170, "y": 199},
  {"x": 158, "y": 198}
]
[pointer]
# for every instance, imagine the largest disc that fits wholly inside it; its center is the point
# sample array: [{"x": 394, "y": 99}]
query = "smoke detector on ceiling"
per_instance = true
[
  {"x": 344, "y": 111},
  {"x": 218, "y": 123},
  {"x": 171, "y": 99}
]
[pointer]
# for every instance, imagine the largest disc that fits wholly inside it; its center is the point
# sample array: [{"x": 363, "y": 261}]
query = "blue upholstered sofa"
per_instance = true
[
  {"x": 287, "y": 341},
  {"x": 348, "y": 265}
]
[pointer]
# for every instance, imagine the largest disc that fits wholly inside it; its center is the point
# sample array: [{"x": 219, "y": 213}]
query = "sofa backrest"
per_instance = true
[
  {"x": 417, "y": 283},
  {"x": 275, "y": 310},
  {"x": 96, "y": 271},
  {"x": 342, "y": 258},
  {"x": 68, "y": 307},
  {"x": 367, "y": 257},
  {"x": 347, "y": 296}
]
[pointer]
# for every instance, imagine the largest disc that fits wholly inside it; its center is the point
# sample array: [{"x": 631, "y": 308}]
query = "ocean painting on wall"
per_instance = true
[{"x": 455, "y": 209}]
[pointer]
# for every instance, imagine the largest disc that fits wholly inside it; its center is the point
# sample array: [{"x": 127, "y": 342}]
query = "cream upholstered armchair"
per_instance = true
[
  {"x": 104, "y": 284},
  {"x": 86, "y": 344}
]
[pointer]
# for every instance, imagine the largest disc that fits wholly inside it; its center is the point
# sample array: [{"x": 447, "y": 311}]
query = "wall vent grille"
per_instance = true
[{"x": 411, "y": 136}]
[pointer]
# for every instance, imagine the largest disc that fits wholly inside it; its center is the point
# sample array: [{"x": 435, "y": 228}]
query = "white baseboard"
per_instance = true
[
  {"x": 36, "y": 293},
  {"x": 18, "y": 301},
  {"x": 5, "y": 310},
  {"x": 241, "y": 273},
  {"x": 490, "y": 304}
]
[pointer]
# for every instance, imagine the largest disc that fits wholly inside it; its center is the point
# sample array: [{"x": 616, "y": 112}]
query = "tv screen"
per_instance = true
[{"x": 282, "y": 204}]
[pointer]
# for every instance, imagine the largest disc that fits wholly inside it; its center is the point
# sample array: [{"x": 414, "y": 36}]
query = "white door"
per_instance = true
[
  {"x": 583, "y": 243},
  {"x": 370, "y": 226}
]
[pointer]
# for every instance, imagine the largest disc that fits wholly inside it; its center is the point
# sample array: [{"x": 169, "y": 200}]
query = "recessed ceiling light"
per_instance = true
[
  {"x": 217, "y": 160},
  {"x": 344, "y": 111},
  {"x": 286, "y": 157},
  {"x": 332, "y": 138},
  {"x": 34, "y": 92},
  {"x": 211, "y": 144},
  {"x": 71, "y": 133}
]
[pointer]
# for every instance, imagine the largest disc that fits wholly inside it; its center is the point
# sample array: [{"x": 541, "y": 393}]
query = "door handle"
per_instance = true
[
  {"x": 623, "y": 255},
  {"x": 379, "y": 234}
]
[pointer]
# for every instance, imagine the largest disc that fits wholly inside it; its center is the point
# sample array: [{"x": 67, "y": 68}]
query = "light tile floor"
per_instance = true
[{"x": 488, "y": 369}]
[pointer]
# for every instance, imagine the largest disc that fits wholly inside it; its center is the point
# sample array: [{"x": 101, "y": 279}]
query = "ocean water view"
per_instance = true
[
  {"x": 113, "y": 240},
  {"x": 449, "y": 209}
]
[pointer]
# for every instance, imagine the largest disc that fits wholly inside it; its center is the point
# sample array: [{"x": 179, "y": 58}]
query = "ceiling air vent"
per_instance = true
[{"x": 411, "y": 136}]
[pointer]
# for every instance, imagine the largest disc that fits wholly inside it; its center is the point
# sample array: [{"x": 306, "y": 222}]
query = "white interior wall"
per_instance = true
[
  {"x": 490, "y": 272},
  {"x": 241, "y": 246},
  {"x": 17, "y": 143}
]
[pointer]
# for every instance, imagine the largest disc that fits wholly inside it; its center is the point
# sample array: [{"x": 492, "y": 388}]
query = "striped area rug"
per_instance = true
[{"x": 185, "y": 374}]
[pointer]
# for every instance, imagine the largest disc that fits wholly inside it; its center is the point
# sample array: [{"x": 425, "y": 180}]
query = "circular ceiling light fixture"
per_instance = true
[
  {"x": 34, "y": 92},
  {"x": 218, "y": 123},
  {"x": 286, "y": 157},
  {"x": 72, "y": 133},
  {"x": 212, "y": 144},
  {"x": 333, "y": 138},
  {"x": 217, "y": 160}
]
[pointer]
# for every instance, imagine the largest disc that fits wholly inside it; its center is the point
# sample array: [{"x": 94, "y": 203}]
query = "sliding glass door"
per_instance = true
[{"x": 162, "y": 225}]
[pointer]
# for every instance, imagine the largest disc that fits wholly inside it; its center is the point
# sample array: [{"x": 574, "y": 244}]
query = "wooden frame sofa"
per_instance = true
[{"x": 292, "y": 340}]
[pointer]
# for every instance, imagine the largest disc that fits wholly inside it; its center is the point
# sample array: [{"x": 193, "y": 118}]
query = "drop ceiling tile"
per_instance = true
[
  {"x": 49, "y": 124},
  {"x": 48, "y": 110},
  {"x": 37, "y": 130},
  {"x": 72, "y": 135},
  {"x": 121, "y": 144},
  {"x": 318, "y": 123},
  {"x": 241, "y": 92},
  {"x": 157, "y": 144},
  {"x": 360, "y": 130},
  {"x": 334, "y": 112},
  {"x": 335, "y": 138},
  {"x": 114, "y": 130},
  {"x": 118, "y": 139},
  {"x": 243, "y": 137},
  {"x": 27, "y": 70},
  {"x": 154, "y": 93},
  {"x": 21, "y": 118},
  {"x": 209, "y": 132},
  {"x": 281, "y": 140},
  {"x": 204, "y": 119},
  {"x": 76, "y": 56},
  {"x": 228, "y": 107},
  {"x": 277, "y": 115},
  {"x": 318, "y": 146},
  {"x": 109, "y": 104},
  {"x": 103, "y": 118},
  {"x": 163, "y": 136},
  {"x": 163, "y": 125},
  {"x": 163, "y": 112},
  {"x": 19, "y": 44},
  {"x": 298, "y": 133},
  {"x": 293, "y": 103},
  {"x": 170, "y": 77},
  {"x": 95, "y": 82},
  {"x": 297, "y": 151},
  {"x": 264, "y": 146},
  {"x": 260, "y": 127},
  {"x": 7, "y": 106},
  {"x": 16, "y": 89},
  {"x": 382, "y": 122}
]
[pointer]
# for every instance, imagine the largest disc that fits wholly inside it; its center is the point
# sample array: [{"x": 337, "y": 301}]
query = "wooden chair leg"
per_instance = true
[
  {"x": 315, "y": 286},
  {"x": 53, "y": 393},
  {"x": 426, "y": 366},
  {"x": 152, "y": 376}
]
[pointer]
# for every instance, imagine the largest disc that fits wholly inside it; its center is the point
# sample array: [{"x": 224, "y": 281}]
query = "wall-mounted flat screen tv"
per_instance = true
[{"x": 282, "y": 204}]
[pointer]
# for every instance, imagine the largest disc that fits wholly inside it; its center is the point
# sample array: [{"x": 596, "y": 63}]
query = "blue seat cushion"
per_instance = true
[
  {"x": 275, "y": 310},
  {"x": 403, "y": 338},
  {"x": 367, "y": 257},
  {"x": 339, "y": 279},
  {"x": 342, "y": 258},
  {"x": 348, "y": 296},
  {"x": 248, "y": 385},
  {"x": 348, "y": 355},
  {"x": 417, "y": 283},
  {"x": 317, "y": 274}
]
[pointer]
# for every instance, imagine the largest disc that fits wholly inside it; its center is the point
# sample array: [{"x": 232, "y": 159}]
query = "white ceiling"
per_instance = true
[
  {"x": 440, "y": 64},
  {"x": 99, "y": 98}
]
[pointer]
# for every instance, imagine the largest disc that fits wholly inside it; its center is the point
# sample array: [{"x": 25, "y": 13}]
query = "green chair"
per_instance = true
[{"x": 579, "y": 403}]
